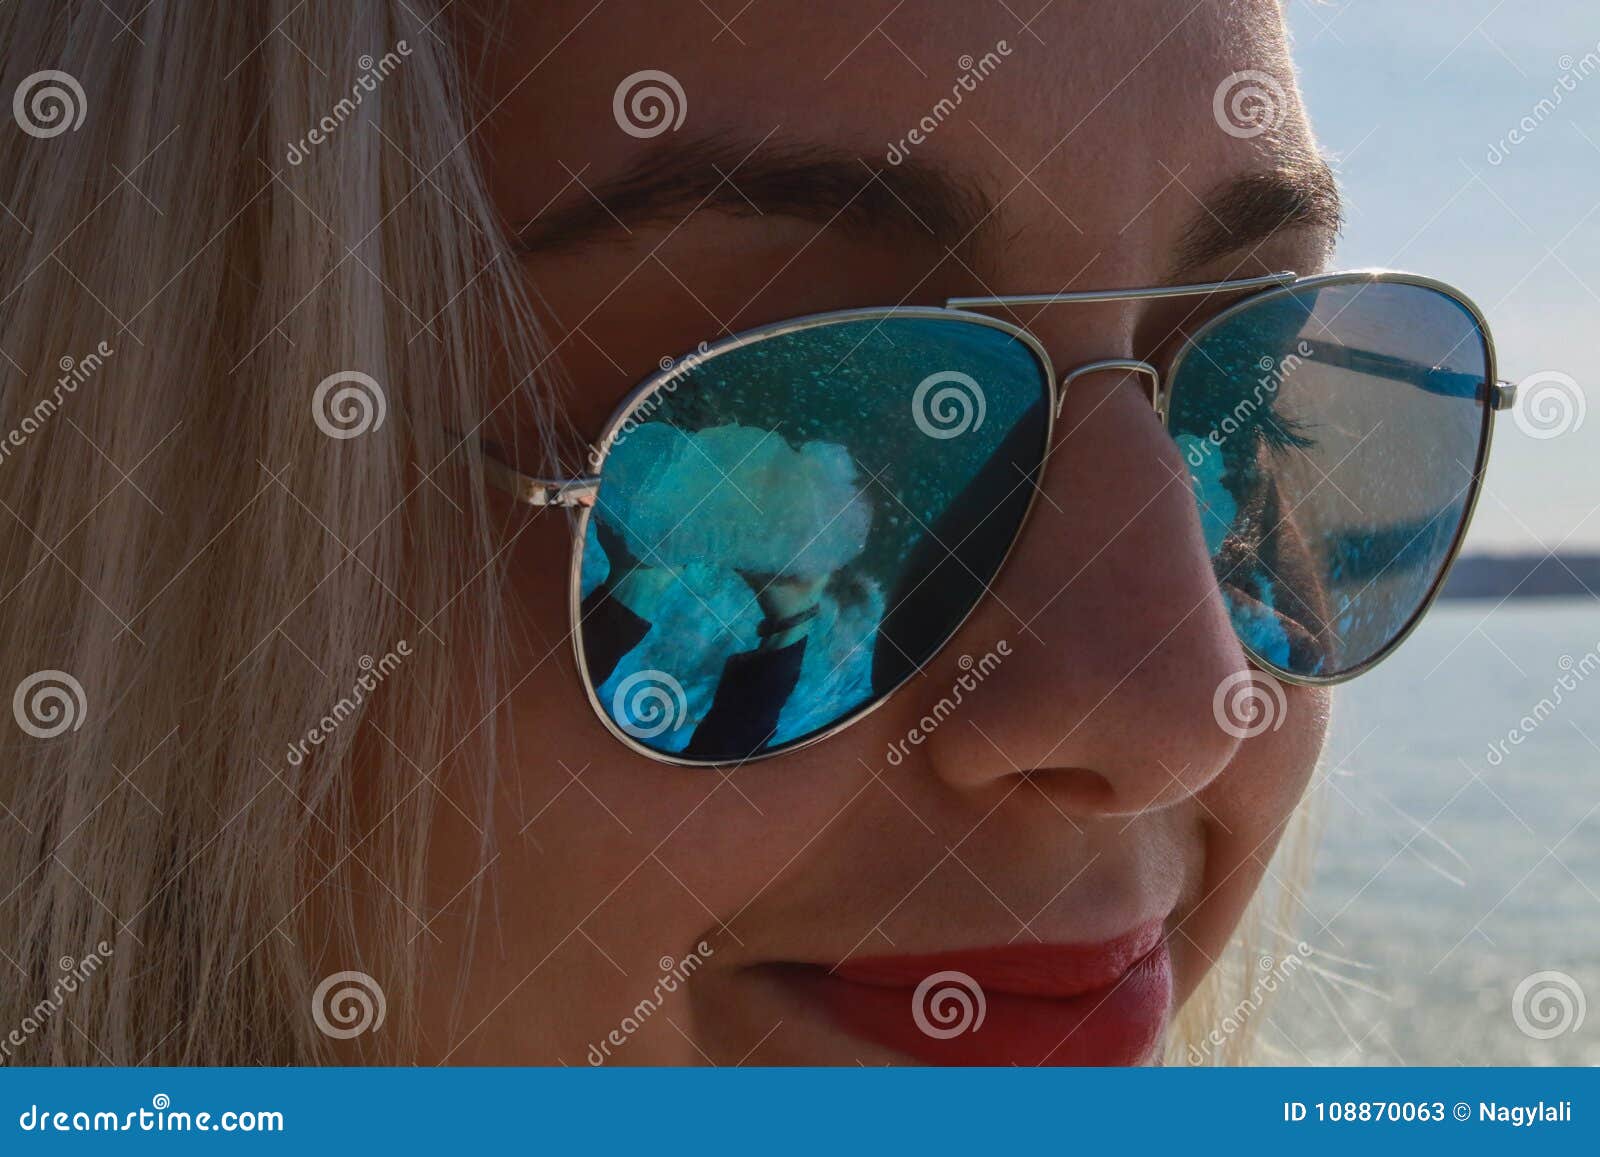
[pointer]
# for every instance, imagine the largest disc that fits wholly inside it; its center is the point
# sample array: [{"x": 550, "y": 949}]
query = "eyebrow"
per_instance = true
[
  {"x": 914, "y": 201},
  {"x": 1245, "y": 212},
  {"x": 919, "y": 201}
]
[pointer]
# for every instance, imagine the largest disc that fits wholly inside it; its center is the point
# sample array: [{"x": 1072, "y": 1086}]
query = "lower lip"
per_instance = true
[{"x": 1042, "y": 1004}]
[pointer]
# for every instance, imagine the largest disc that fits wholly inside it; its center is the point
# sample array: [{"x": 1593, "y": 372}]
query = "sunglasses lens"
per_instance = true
[
  {"x": 787, "y": 529},
  {"x": 1333, "y": 436}
]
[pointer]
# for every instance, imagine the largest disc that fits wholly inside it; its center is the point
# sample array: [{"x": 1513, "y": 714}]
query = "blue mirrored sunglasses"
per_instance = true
[{"x": 783, "y": 527}]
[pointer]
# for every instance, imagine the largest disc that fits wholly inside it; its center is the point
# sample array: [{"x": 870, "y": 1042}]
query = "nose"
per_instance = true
[
  {"x": 1116, "y": 638},
  {"x": 1131, "y": 366}
]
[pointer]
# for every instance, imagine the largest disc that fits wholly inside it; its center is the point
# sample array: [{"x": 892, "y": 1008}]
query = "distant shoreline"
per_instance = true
[{"x": 1523, "y": 576}]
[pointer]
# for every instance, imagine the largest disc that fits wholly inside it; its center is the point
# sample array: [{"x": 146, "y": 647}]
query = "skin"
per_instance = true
[{"x": 1086, "y": 785}]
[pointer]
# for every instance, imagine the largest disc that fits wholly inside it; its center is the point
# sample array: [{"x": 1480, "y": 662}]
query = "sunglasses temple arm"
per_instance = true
[
  {"x": 570, "y": 492},
  {"x": 1501, "y": 394}
]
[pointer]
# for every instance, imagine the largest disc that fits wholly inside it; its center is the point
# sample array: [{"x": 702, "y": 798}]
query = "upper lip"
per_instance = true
[{"x": 1038, "y": 970}]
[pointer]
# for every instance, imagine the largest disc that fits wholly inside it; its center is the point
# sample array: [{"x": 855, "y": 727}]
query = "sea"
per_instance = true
[{"x": 1453, "y": 913}]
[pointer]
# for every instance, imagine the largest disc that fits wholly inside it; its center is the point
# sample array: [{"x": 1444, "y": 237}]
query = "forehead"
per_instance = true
[{"x": 1102, "y": 117}]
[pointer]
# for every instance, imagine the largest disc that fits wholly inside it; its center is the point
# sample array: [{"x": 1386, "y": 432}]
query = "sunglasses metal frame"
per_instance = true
[{"x": 580, "y": 492}]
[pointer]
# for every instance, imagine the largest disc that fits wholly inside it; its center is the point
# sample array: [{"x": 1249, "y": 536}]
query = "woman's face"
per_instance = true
[{"x": 1084, "y": 798}]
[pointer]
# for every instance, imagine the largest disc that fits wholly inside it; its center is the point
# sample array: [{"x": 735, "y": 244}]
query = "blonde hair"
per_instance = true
[
  {"x": 192, "y": 548},
  {"x": 197, "y": 547},
  {"x": 1224, "y": 1021}
]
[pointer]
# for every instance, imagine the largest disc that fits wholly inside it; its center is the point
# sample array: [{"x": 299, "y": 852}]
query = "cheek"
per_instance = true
[
  {"x": 1246, "y": 814},
  {"x": 609, "y": 861},
  {"x": 590, "y": 800},
  {"x": 1265, "y": 780}
]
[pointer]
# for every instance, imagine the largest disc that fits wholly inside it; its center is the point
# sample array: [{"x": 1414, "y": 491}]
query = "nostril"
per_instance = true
[
  {"x": 1080, "y": 792},
  {"x": 1074, "y": 789}
]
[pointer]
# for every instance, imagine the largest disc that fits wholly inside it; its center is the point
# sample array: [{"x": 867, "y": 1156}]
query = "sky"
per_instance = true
[{"x": 1416, "y": 103}]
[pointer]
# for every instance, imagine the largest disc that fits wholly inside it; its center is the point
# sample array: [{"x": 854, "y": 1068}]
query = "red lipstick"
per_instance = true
[{"x": 1017, "y": 1004}]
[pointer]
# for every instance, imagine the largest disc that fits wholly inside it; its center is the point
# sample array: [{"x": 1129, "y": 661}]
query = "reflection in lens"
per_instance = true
[
  {"x": 789, "y": 529},
  {"x": 1332, "y": 435}
]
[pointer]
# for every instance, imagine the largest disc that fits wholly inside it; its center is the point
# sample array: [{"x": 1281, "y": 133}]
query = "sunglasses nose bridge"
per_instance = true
[{"x": 1155, "y": 390}]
